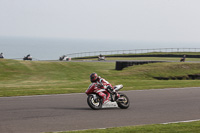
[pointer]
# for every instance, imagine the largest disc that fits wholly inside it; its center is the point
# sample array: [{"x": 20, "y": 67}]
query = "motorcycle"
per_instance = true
[
  {"x": 27, "y": 58},
  {"x": 64, "y": 58},
  {"x": 101, "y": 58},
  {"x": 182, "y": 60},
  {"x": 95, "y": 101}
]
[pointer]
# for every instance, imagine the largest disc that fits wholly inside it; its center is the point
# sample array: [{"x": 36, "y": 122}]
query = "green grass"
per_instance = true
[
  {"x": 189, "y": 127},
  {"x": 37, "y": 78},
  {"x": 19, "y": 78},
  {"x": 162, "y": 53},
  {"x": 124, "y": 56},
  {"x": 154, "y": 58},
  {"x": 175, "y": 59},
  {"x": 167, "y": 53}
]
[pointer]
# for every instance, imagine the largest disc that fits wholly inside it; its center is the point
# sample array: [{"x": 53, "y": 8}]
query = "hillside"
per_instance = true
[{"x": 37, "y": 77}]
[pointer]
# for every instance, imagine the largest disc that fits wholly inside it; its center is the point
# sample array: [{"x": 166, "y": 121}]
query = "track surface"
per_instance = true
[{"x": 70, "y": 112}]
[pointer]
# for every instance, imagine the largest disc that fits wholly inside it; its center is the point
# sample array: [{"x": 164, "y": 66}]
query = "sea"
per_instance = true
[{"x": 52, "y": 49}]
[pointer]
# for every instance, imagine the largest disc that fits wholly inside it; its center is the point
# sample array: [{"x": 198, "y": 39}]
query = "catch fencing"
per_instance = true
[{"x": 134, "y": 51}]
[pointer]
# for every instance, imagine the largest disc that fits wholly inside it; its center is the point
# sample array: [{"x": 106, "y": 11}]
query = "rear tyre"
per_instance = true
[
  {"x": 95, "y": 104},
  {"x": 123, "y": 101}
]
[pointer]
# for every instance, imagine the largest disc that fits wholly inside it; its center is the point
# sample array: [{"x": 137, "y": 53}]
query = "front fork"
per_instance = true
[{"x": 113, "y": 94}]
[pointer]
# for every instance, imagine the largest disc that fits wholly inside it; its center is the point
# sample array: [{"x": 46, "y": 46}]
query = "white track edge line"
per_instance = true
[
  {"x": 136, "y": 125},
  {"x": 181, "y": 121}
]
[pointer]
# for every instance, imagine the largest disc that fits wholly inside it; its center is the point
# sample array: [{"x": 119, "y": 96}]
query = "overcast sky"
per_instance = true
[{"x": 132, "y": 20}]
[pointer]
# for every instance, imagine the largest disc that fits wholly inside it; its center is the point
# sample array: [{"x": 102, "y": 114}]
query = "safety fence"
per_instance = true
[{"x": 133, "y": 51}]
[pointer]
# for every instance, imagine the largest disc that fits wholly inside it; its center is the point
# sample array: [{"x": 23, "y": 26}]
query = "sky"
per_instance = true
[{"x": 174, "y": 21}]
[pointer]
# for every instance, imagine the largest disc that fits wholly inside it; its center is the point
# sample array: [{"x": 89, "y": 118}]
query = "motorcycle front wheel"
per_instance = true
[
  {"x": 123, "y": 101},
  {"x": 94, "y": 103}
]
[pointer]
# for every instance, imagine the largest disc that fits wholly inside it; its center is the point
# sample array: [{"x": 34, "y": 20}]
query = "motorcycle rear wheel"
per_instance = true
[
  {"x": 95, "y": 104},
  {"x": 124, "y": 103}
]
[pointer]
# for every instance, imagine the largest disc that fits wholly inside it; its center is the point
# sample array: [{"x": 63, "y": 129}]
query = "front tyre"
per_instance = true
[
  {"x": 94, "y": 102},
  {"x": 123, "y": 101}
]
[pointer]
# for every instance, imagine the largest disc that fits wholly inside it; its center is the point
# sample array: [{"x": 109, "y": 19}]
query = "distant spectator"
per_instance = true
[{"x": 1, "y": 55}]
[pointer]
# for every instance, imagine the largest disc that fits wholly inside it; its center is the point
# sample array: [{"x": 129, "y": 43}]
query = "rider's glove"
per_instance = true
[
  {"x": 109, "y": 87},
  {"x": 100, "y": 85}
]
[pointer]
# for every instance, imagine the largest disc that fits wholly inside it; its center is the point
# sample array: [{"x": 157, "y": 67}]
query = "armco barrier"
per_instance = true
[
  {"x": 133, "y": 51},
  {"x": 122, "y": 64}
]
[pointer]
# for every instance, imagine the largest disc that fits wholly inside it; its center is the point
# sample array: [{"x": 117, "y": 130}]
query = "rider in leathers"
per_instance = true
[{"x": 101, "y": 84}]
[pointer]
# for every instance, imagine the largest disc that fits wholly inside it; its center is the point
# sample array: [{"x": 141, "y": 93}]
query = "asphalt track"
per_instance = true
[{"x": 34, "y": 114}]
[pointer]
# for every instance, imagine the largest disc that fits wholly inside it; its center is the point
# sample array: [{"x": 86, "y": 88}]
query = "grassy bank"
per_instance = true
[
  {"x": 153, "y": 56},
  {"x": 19, "y": 78},
  {"x": 166, "y": 53},
  {"x": 189, "y": 127},
  {"x": 175, "y": 59}
]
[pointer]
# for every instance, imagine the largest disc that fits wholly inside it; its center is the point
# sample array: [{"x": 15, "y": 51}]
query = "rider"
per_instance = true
[
  {"x": 28, "y": 56},
  {"x": 103, "y": 84}
]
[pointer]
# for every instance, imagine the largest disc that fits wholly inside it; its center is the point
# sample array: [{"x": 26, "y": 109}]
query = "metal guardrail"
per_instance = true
[{"x": 134, "y": 51}]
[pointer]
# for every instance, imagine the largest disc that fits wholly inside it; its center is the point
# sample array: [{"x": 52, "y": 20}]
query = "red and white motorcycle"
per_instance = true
[
  {"x": 101, "y": 57},
  {"x": 95, "y": 101}
]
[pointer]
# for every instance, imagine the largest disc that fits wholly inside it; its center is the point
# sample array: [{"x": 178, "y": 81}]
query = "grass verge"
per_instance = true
[
  {"x": 186, "y": 127},
  {"x": 19, "y": 78}
]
